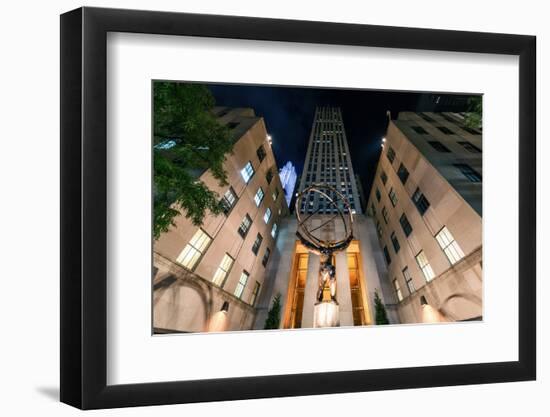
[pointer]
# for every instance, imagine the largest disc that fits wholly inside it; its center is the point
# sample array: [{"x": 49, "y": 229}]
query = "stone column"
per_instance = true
[
  {"x": 343, "y": 291},
  {"x": 310, "y": 292}
]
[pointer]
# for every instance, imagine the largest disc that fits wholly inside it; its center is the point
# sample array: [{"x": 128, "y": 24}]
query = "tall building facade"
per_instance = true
[
  {"x": 360, "y": 269},
  {"x": 288, "y": 180},
  {"x": 328, "y": 161},
  {"x": 426, "y": 201},
  {"x": 210, "y": 278}
]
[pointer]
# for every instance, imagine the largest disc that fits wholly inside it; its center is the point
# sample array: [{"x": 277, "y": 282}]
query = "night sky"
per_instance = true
[{"x": 288, "y": 114}]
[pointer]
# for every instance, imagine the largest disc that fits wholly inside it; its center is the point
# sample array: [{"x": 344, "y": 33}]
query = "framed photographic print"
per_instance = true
[{"x": 257, "y": 208}]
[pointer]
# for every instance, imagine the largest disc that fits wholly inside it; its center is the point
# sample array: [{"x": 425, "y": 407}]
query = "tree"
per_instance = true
[
  {"x": 188, "y": 140},
  {"x": 474, "y": 114},
  {"x": 381, "y": 317},
  {"x": 274, "y": 313}
]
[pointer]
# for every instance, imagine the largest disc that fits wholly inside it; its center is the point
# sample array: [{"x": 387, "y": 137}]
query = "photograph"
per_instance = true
[{"x": 284, "y": 207}]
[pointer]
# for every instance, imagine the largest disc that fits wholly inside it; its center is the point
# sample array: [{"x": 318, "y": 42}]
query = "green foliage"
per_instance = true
[
  {"x": 183, "y": 118},
  {"x": 381, "y": 317},
  {"x": 274, "y": 314},
  {"x": 474, "y": 115}
]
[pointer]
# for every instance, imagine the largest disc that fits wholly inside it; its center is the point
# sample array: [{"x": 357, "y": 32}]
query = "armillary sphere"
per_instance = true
[{"x": 325, "y": 230}]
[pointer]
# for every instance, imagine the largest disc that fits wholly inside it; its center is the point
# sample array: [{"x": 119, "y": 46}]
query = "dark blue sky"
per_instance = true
[{"x": 288, "y": 114}]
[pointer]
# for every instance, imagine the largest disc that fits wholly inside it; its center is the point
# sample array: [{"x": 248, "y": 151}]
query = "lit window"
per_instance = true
[
  {"x": 395, "y": 242},
  {"x": 405, "y": 225},
  {"x": 257, "y": 244},
  {"x": 192, "y": 252},
  {"x": 449, "y": 245},
  {"x": 266, "y": 256},
  {"x": 469, "y": 172},
  {"x": 393, "y": 197},
  {"x": 259, "y": 196},
  {"x": 420, "y": 201},
  {"x": 241, "y": 284},
  {"x": 165, "y": 144},
  {"x": 424, "y": 266},
  {"x": 255, "y": 293},
  {"x": 267, "y": 215},
  {"x": 274, "y": 230},
  {"x": 228, "y": 200},
  {"x": 409, "y": 280},
  {"x": 397, "y": 289},
  {"x": 223, "y": 270},
  {"x": 245, "y": 226},
  {"x": 247, "y": 172}
]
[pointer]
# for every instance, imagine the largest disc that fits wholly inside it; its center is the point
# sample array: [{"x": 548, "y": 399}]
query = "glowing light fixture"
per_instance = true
[{"x": 218, "y": 322}]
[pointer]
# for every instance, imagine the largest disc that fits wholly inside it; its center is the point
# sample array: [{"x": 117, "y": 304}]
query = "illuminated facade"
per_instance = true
[
  {"x": 426, "y": 201},
  {"x": 210, "y": 278},
  {"x": 360, "y": 270}
]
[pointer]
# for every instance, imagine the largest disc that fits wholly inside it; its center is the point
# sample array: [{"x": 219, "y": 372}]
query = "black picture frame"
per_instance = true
[{"x": 84, "y": 207}]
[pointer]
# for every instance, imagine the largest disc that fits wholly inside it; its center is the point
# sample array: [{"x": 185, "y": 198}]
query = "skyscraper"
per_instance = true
[
  {"x": 288, "y": 180},
  {"x": 328, "y": 161},
  {"x": 360, "y": 269}
]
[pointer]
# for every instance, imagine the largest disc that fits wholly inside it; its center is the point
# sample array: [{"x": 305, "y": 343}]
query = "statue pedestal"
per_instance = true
[{"x": 326, "y": 314}]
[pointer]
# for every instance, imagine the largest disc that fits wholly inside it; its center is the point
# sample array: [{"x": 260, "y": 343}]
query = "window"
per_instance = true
[
  {"x": 405, "y": 225},
  {"x": 267, "y": 215},
  {"x": 403, "y": 173},
  {"x": 390, "y": 154},
  {"x": 379, "y": 229},
  {"x": 397, "y": 289},
  {"x": 438, "y": 146},
  {"x": 266, "y": 256},
  {"x": 393, "y": 197},
  {"x": 245, "y": 226},
  {"x": 232, "y": 125},
  {"x": 470, "y": 147},
  {"x": 424, "y": 266},
  {"x": 419, "y": 129},
  {"x": 261, "y": 153},
  {"x": 420, "y": 201},
  {"x": 373, "y": 209},
  {"x": 223, "y": 270},
  {"x": 255, "y": 293},
  {"x": 269, "y": 175},
  {"x": 378, "y": 196},
  {"x": 192, "y": 252},
  {"x": 387, "y": 255},
  {"x": 383, "y": 177},
  {"x": 445, "y": 130},
  {"x": 247, "y": 172},
  {"x": 274, "y": 230},
  {"x": 166, "y": 144},
  {"x": 257, "y": 244},
  {"x": 449, "y": 245},
  {"x": 259, "y": 197},
  {"x": 229, "y": 200},
  {"x": 408, "y": 280},
  {"x": 241, "y": 284},
  {"x": 385, "y": 214},
  {"x": 395, "y": 242},
  {"x": 469, "y": 172}
]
